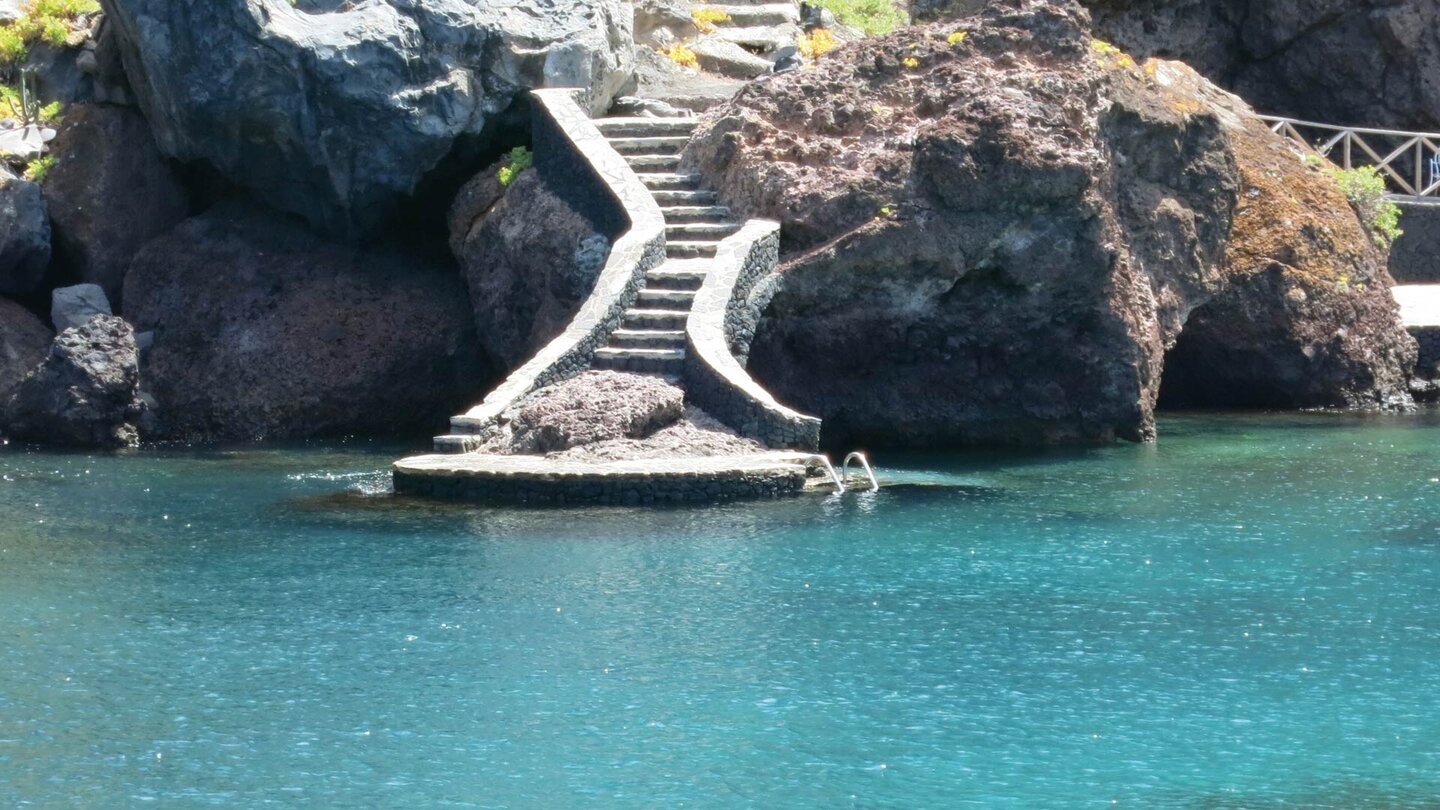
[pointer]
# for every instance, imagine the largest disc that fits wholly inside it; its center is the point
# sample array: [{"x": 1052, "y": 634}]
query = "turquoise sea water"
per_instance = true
[{"x": 1244, "y": 616}]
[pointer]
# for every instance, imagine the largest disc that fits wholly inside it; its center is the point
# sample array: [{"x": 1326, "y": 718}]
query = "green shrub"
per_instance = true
[
  {"x": 1365, "y": 188},
  {"x": 872, "y": 18},
  {"x": 38, "y": 168},
  {"x": 520, "y": 160},
  {"x": 47, "y": 21}
]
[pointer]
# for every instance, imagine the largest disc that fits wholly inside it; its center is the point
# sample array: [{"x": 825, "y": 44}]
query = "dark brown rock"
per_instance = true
[
  {"x": 997, "y": 238},
  {"x": 1354, "y": 62},
  {"x": 109, "y": 193},
  {"x": 24, "y": 340},
  {"x": 596, "y": 406},
  {"x": 264, "y": 330},
  {"x": 529, "y": 260},
  {"x": 85, "y": 393}
]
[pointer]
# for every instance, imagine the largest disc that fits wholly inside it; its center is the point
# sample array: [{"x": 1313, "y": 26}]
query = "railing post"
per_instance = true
[{"x": 1419, "y": 184}]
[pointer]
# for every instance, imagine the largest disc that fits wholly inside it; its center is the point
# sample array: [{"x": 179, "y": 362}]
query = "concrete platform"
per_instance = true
[{"x": 536, "y": 479}]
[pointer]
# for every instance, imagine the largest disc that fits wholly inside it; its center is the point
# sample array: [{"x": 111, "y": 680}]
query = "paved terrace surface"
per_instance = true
[
  {"x": 540, "y": 466},
  {"x": 1419, "y": 304}
]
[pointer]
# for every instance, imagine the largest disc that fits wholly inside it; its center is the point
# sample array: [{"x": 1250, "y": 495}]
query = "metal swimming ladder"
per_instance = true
[{"x": 859, "y": 457}]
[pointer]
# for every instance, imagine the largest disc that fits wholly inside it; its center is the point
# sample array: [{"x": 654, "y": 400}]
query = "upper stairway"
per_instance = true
[{"x": 651, "y": 337}]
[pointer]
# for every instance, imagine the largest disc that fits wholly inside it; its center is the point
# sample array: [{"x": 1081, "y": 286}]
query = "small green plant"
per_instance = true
[
  {"x": 873, "y": 18},
  {"x": 23, "y": 102},
  {"x": 1365, "y": 189},
  {"x": 520, "y": 160},
  {"x": 47, "y": 21},
  {"x": 39, "y": 168}
]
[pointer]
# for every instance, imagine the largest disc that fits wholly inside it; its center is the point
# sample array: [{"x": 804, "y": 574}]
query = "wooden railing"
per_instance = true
[{"x": 1408, "y": 161}]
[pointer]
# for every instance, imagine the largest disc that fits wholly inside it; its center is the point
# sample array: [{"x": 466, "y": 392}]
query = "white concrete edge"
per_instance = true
[{"x": 451, "y": 465}]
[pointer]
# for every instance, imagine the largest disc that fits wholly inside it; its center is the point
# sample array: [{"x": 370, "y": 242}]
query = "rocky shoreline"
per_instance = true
[{"x": 997, "y": 228}]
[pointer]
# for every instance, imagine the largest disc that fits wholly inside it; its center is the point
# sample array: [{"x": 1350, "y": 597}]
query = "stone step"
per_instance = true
[
  {"x": 760, "y": 39},
  {"x": 698, "y": 231},
  {"x": 666, "y": 145},
  {"x": 728, "y": 59},
  {"x": 660, "y": 361},
  {"x": 654, "y": 319},
  {"x": 678, "y": 274},
  {"x": 625, "y": 127},
  {"x": 669, "y": 181},
  {"x": 695, "y": 213},
  {"x": 665, "y": 299},
  {"x": 744, "y": 15},
  {"x": 648, "y": 338},
  {"x": 690, "y": 250},
  {"x": 653, "y": 163},
  {"x": 684, "y": 197},
  {"x": 456, "y": 443}
]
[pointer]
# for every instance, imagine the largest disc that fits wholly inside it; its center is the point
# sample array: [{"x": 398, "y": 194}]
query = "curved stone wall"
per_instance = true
[
  {"x": 574, "y": 156},
  {"x": 719, "y": 330}
]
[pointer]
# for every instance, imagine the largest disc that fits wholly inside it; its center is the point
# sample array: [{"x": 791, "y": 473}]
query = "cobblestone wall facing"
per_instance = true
[
  {"x": 1428, "y": 364},
  {"x": 667, "y": 487},
  {"x": 718, "y": 333}
]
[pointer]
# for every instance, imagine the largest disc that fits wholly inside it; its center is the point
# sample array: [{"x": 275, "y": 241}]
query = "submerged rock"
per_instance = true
[
  {"x": 24, "y": 340},
  {"x": 264, "y": 330},
  {"x": 109, "y": 193},
  {"x": 994, "y": 229},
  {"x": 85, "y": 393},
  {"x": 337, "y": 110},
  {"x": 24, "y": 235}
]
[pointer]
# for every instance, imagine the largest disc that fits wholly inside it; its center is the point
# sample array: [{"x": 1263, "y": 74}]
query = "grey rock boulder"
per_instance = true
[
  {"x": 337, "y": 111},
  {"x": 85, "y": 393},
  {"x": 110, "y": 192},
  {"x": 76, "y": 306},
  {"x": 24, "y": 235},
  {"x": 24, "y": 339},
  {"x": 24, "y": 143}
]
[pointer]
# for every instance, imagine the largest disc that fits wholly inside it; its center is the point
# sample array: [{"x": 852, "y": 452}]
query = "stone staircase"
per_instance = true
[
  {"x": 672, "y": 298},
  {"x": 651, "y": 338}
]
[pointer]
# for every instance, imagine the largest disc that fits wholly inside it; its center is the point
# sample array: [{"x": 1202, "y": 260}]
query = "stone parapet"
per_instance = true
[
  {"x": 576, "y": 160},
  {"x": 718, "y": 333}
]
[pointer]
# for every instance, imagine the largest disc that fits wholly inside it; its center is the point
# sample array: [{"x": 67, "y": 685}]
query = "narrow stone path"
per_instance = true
[{"x": 651, "y": 339}]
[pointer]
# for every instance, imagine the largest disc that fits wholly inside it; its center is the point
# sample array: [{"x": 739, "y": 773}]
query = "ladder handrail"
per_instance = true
[
  {"x": 829, "y": 468},
  {"x": 864, "y": 464}
]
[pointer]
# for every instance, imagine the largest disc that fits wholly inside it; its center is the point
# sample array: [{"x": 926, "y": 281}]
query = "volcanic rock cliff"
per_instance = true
[{"x": 996, "y": 227}]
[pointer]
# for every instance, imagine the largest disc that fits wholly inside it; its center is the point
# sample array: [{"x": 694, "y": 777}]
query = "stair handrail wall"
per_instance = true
[
  {"x": 580, "y": 165},
  {"x": 1409, "y": 161},
  {"x": 714, "y": 379}
]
